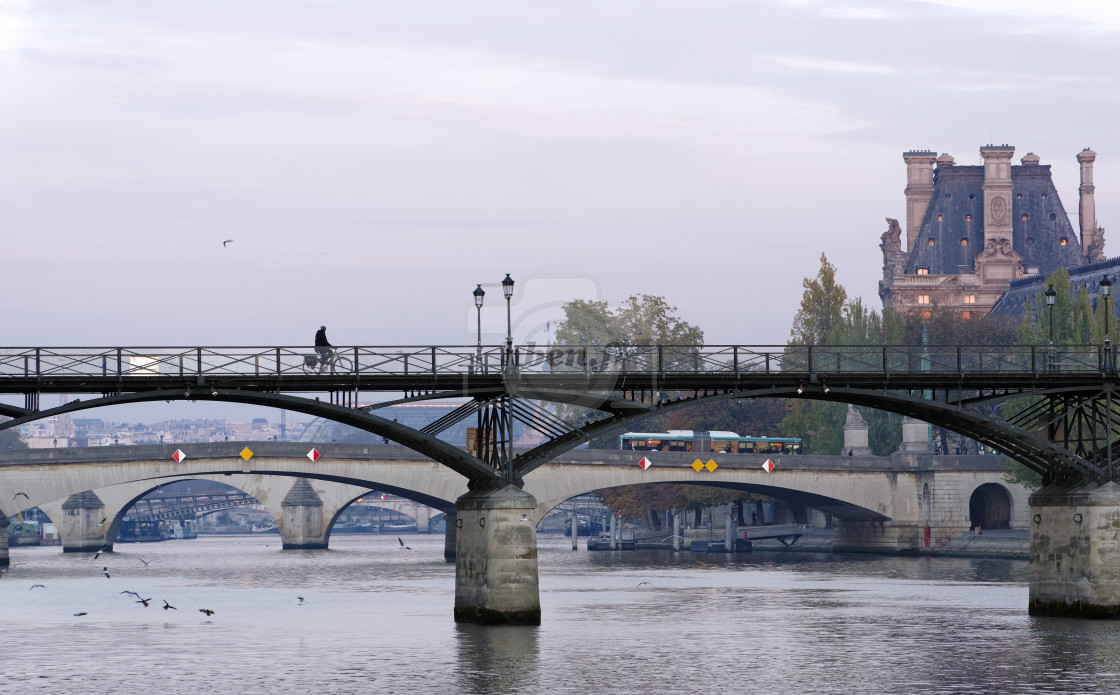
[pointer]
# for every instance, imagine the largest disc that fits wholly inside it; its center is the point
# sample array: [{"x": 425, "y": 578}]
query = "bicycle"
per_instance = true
[{"x": 332, "y": 361}]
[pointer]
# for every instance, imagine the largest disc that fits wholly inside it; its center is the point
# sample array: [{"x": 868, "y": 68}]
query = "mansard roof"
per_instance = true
[
  {"x": 1026, "y": 291},
  {"x": 954, "y": 222}
]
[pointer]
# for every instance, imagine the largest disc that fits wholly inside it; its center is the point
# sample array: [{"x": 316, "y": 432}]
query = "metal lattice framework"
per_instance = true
[{"x": 1055, "y": 409}]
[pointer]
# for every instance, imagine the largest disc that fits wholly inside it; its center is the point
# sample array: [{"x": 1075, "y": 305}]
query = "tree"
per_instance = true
[
  {"x": 9, "y": 440},
  {"x": 641, "y": 320},
  {"x": 822, "y": 305}
]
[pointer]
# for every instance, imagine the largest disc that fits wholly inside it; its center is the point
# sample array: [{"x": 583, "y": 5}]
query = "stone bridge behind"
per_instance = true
[{"x": 901, "y": 502}]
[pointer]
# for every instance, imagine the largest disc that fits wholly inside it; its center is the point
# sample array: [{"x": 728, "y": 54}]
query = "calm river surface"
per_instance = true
[{"x": 378, "y": 619}]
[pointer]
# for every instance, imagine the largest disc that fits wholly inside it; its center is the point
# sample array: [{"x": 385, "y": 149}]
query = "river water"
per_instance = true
[{"x": 378, "y": 619}]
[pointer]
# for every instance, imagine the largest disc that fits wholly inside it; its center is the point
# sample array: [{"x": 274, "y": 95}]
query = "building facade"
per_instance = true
[{"x": 972, "y": 231}]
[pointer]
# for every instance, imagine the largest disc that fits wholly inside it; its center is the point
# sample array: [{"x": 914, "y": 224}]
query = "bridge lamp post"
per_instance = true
[
  {"x": 1106, "y": 292},
  {"x": 507, "y": 290},
  {"x": 1051, "y": 296},
  {"x": 479, "y": 294}
]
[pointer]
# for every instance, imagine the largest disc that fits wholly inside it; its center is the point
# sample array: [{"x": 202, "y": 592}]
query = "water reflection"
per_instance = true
[{"x": 497, "y": 659}]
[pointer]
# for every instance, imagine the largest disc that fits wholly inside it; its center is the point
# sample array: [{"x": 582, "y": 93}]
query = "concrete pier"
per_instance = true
[
  {"x": 496, "y": 558},
  {"x": 4, "y": 559},
  {"x": 450, "y": 536},
  {"x": 1075, "y": 543},
  {"x": 301, "y": 521},
  {"x": 85, "y": 524},
  {"x": 676, "y": 529}
]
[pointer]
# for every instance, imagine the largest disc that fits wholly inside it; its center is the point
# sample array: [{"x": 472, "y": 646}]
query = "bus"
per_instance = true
[{"x": 714, "y": 441}]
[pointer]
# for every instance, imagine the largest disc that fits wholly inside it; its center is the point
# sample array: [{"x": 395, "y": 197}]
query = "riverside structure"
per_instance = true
[{"x": 1062, "y": 427}]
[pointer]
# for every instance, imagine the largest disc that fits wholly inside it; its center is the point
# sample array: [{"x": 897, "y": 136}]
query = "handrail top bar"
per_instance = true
[{"x": 536, "y": 346}]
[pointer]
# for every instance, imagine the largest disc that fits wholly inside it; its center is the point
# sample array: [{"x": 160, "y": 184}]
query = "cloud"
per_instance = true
[{"x": 807, "y": 64}]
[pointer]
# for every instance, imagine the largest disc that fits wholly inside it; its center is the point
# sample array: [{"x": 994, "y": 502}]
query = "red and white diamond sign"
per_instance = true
[
  {"x": 645, "y": 463},
  {"x": 178, "y": 455},
  {"x": 313, "y": 455},
  {"x": 768, "y": 466}
]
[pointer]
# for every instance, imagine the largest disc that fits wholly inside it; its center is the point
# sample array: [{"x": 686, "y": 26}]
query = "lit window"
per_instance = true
[
  {"x": 970, "y": 299},
  {"x": 1019, "y": 197},
  {"x": 966, "y": 315},
  {"x": 1024, "y": 217},
  {"x": 923, "y": 271},
  {"x": 923, "y": 299},
  {"x": 940, "y": 217},
  {"x": 968, "y": 218},
  {"x": 924, "y": 314},
  {"x": 1063, "y": 241},
  {"x": 931, "y": 242},
  {"x": 964, "y": 241}
]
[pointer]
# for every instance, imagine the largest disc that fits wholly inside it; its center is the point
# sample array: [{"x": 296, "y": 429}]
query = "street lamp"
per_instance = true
[
  {"x": 1051, "y": 296},
  {"x": 479, "y": 294},
  {"x": 507, "y": 290},
  {"x": 1106, "y": 291}
]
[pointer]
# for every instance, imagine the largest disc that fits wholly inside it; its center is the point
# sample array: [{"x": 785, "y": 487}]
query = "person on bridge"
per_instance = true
[{"x": 322, "y": 345}]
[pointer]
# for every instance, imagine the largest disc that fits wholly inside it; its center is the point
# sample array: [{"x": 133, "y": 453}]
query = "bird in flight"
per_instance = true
[
  {"x": 168, "y": 606},
  {"x": 37, "y": 586},
  {"x": 226, "y": 243},
  {"x": 146, "y": 562},
  {"x": 641, "y": 583},
  {"x": 132, "y": 593},
  {"x": 207, "y": 611},
  {"x": 102, "y": 522},
  {"x": 98, "y": 553},
  {"x": 80, "y": 614},
  {"x": 105, "y": 571},
  {"x": 403, "y": 546},
  {"x": 301, "y": 600},
  {"x": 144, "y": 601},
  {"x": 21, "y": 493}
]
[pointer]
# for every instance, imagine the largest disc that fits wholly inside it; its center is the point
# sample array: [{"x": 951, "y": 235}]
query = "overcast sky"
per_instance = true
[{"x": 373, "y": 161}]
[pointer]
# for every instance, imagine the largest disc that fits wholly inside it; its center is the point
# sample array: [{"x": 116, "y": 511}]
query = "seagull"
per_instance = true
[
  {"x": 641, "y": 583},
  {"x": 79, "y": 614},
  {"x": 301, "y": 600},
  {"x": 98, "y": 553},
  {"x": 37, "y": 586},
  {"x": 403, "y": 546},
  {"x": 102, "y": 522},
  {"x": 106, "y": 573},
  {"x": 132, "y": 593},
  {"x": 226, "y": 243},
  {"x": 207, "y": 611},
  {"x": 167, "y": 606},
  {"x": 21, "y": 493},
  {"x": 144, "y": 601},
  {"x": 146, "y": 562}
]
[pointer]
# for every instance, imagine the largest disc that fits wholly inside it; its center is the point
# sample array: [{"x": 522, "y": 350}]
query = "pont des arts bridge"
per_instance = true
[{"x": 1056, "y": 417}]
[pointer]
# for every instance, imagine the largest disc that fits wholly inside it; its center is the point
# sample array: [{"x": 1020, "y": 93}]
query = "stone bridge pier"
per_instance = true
[
  {"x": 496, "y": 557},
  {"x": 84, "y": 523},
  {"x": 4, "y": 523},
  {"x": 1075, "y": 546}
]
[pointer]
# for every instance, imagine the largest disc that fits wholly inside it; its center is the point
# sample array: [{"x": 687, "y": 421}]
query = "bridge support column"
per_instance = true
[
  {"x": 450, "y": 536},
  {"x": 864, "y": 536},
  {"x": 1075, "y": 551},
  {"x": 301, "y": 520},
  {"x": 496, "y": 558},
  {"x": 84, "y": 526},
  {"x": 423, "y": 521},
  {"x": 4, "y": 559}
]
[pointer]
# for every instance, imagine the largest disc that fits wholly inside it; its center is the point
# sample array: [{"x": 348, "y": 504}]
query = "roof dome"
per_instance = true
[{"x": 1030, "y": 159}]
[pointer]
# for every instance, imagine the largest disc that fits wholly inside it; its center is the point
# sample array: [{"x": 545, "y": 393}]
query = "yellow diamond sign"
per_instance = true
[
  {"x": 246, "y": 454},
  {"x": 711, "y": 466},
  {"x": 696, "y": 465}
]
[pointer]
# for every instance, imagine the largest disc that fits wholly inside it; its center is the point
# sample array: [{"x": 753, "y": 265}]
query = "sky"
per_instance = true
[{"x": 373, "y": 161}]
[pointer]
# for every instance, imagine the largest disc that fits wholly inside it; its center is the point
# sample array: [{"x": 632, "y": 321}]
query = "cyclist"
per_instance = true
[{"x": 323, "y": 346}]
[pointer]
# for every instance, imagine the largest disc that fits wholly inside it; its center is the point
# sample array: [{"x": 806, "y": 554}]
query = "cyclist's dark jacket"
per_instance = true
[{"x": 321, "y": 339}]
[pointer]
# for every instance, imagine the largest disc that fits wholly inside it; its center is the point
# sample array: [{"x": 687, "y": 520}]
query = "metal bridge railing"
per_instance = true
[{"x": 118, "y": 362}]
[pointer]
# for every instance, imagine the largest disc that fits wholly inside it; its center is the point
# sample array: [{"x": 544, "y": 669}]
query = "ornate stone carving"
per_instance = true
[
  {"x": 854, "y": 419},
  {"x": 1096, "y": 246},
  {"x": 894, "y": 258},
  {"x": 999, "y": 209}
]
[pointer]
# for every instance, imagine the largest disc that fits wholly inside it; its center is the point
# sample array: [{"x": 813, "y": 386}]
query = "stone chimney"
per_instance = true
[
  {"x": 919, "y": 189},
  {"x": 997, "y": 189},
  {"x": 1087, "y": 206}
]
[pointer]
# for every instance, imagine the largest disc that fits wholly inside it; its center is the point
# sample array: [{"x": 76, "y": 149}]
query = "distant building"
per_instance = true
[{"x": 974, "y": 231}]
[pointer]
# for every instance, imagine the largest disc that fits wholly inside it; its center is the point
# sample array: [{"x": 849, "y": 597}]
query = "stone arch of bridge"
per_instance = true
[
  {"x": 991, "y": 506},
  {"x": 860, "y": 502}
]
